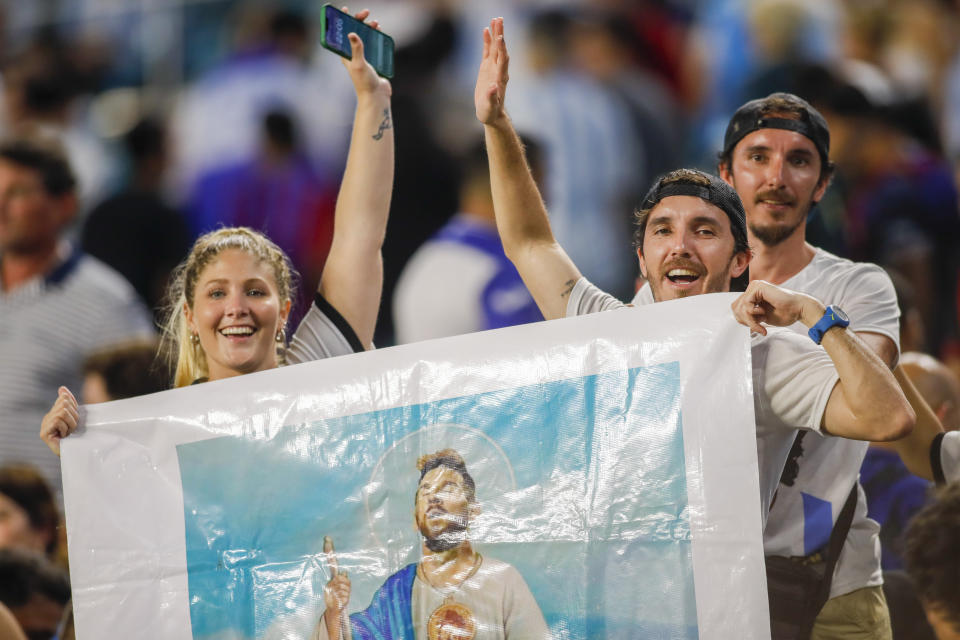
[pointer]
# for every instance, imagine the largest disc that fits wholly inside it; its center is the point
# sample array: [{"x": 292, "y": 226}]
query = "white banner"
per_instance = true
[{"x": 613, "y": 458}]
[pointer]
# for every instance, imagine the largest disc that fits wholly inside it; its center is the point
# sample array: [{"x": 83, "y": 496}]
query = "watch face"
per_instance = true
[{"x": 839, "y": 313}]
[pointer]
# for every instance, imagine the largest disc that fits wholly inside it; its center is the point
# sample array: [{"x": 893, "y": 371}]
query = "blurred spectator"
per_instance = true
[
  {"x": 912, "y": 332},
  {"x": 901, "y": 199},
  {"x": 907, "y": 619},
  {"x": 278, "y": 192},
  {"x": 135, "y": 231},
  {"x": 123, "y": 371},
  {"x": 29, "y": 518},
  {"x": 602, "y": 44},
  {"x": 460, "y": 281},
  {"x": 34, "y": 591},
  {"x": 9, "y": 627},
  {"x": 42, "y": 87},
  {"x": 933, "y": 561},
  {"x": 938, "y": 385},
  {"x": 425, "y": 183},
  {"x": 894, "y": 495},
  {"x": 593, "y": 155},
  {"x": 732, "y": 42},
  {"x": 57, "y": 305},
  {"x": 217, "y": 122}
]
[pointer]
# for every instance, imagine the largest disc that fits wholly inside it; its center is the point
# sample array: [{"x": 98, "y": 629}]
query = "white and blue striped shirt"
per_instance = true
[{"x": 48, "y": 327}]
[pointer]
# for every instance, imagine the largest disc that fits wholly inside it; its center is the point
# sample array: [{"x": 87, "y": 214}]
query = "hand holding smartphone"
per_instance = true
[{"x": 378, "y": 47}]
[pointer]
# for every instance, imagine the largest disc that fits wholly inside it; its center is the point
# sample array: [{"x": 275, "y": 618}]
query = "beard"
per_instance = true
[
  {"x": 774, "y": 234},
  {"x": 453, "y": 534}
]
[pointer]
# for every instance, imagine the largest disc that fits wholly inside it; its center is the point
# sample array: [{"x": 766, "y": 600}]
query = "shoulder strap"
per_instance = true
[{"x": 837, "y": 538}]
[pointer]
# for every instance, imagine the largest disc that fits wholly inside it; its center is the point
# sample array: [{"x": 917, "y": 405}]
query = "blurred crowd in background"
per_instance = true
[{"x": 183, "y": 115}]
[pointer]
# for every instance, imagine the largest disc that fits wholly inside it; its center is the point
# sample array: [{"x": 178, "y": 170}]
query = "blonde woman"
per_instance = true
[{"x": 231, "y": 297}]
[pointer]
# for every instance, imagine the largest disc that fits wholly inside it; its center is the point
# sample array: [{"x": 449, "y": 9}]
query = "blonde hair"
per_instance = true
[{"x": 186, "y": 361}]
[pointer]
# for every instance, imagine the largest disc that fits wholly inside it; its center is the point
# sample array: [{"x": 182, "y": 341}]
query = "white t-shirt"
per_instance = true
[
  {"x": 798, "y": 522},
  {"x": 439, "y": 292},
  {"x": 458, "y": 282},
  {"x": 829, "y": 467},
  {"x": 792, "y": 381}
]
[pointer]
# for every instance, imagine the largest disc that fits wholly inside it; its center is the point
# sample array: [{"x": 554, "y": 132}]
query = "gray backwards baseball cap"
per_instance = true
[{"x": 753, "y": 116}]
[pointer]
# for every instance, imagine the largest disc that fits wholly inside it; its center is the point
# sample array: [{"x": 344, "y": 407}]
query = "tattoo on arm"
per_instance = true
[
  {"x": 569, "y": 288},
  {"x": 384, "y": 125}
]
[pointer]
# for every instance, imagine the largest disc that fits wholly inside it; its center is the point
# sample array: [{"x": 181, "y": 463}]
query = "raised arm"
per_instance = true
[
  {"x": 352, "y": 279},
  {"x": 867, "y": 403},
  {"x": 522, "y": 220}
]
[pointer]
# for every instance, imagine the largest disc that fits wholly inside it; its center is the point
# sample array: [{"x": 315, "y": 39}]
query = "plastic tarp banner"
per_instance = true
[{"x": 614, "y": 491}]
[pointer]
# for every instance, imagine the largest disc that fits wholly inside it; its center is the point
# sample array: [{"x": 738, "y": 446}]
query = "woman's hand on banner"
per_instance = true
[{"x": 62, "y": 420}]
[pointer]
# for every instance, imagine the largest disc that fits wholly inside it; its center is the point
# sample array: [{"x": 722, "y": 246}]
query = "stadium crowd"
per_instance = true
[{"x": 134, "y": 140}]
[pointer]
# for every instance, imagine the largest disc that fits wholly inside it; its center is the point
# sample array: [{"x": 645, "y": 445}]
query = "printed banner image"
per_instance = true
[
  {"x": 537, "y": 517},
  {"x": 586, "y": 478}
]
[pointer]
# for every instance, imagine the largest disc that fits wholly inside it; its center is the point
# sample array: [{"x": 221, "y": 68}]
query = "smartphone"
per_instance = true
[{"x": 377, "y": 46}]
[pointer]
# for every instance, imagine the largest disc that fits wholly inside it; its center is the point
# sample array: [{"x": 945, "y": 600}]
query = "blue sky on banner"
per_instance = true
[{"x": 581, "y": 483}]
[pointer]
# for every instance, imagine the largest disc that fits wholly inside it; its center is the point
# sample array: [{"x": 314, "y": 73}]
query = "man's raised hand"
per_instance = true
[
  {"x": 767, "y": 303},
  {"x": 489, "y": 94}
]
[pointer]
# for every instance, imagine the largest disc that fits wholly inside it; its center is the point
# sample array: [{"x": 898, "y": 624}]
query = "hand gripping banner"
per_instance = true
[{"x": 593, "y": 477}]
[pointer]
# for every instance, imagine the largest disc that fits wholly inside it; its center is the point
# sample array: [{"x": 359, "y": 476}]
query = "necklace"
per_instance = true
[{"x": 451, "y": 620}]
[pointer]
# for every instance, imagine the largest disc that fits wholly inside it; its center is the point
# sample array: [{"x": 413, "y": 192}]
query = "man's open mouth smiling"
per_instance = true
[{"x": 683, "y": 276}]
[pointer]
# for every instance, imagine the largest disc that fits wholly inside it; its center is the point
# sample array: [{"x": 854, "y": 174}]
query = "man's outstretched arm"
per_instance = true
[{"x": 522, "y": 220}]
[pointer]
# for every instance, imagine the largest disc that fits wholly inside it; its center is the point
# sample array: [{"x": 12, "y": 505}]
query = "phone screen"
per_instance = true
[{"x": 377, "y": 46}]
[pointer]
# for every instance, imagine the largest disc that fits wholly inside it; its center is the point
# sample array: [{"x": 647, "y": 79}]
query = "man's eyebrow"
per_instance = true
[
  {"x": 661, "y": 219},
  {"x": 754, "y": 148},
  {"x": 699, "y": 220},
  {"x": 800, "y": 152}
]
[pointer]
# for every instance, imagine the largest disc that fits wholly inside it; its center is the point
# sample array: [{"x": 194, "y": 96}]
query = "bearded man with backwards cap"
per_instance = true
[
  {"x": 692, "y": 239},
  {"x": 776, "y": 155}
]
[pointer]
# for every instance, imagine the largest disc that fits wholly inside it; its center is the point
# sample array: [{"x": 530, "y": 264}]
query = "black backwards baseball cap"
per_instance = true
[
  {"x": 752, "y": 116},
  {"x": 685, "y": 182}
]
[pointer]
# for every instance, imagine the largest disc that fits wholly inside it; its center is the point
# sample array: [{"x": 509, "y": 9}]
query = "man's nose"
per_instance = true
[
  {"x": 682, "y": 241},
  {"x": 774, "y": 172}
]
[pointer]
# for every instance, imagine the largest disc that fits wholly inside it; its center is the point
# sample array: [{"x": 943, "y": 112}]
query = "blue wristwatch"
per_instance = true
[{"x": 832, "y": 317}]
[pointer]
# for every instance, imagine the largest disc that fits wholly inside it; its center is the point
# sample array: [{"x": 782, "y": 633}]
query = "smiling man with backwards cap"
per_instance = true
[{"x": 692, "y": 239}]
